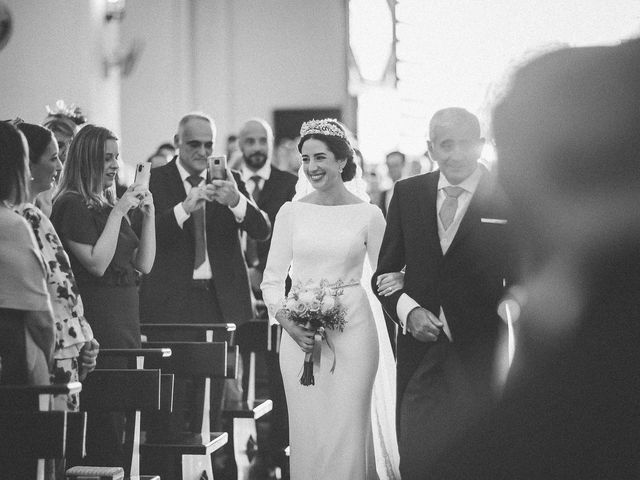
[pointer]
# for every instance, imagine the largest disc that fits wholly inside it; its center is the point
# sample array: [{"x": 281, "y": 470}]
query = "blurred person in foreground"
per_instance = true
[
  {"x": 27, "y": 336},
  {"x": 571, "y": 166}
]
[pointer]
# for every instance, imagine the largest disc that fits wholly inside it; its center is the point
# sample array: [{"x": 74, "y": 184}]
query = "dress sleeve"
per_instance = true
[
  {"x": 73, "y": 220},
  {"x": 375, "y": 233},
  {"x": 278, "y": 261}
]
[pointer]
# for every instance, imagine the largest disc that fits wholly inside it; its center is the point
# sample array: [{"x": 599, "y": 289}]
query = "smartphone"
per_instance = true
[
  {"x": 217, "y": 166},
  {"x": 143, "y": 172}
]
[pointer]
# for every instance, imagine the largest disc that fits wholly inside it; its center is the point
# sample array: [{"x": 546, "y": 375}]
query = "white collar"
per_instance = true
[
  {"x": 264, "y": 172},
  {"x": 469, "y": 184},
  {"x": 184, "y": 174}
]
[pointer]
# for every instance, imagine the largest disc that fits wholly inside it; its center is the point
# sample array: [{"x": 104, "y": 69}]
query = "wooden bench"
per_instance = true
[
  {"x": 129, "y": 391},
  {"x": 179, "y": 454},
  {"x": 135, "y": 358},
  {"x": 28, "y": 435},
  {"x": 243, "y": 415}
]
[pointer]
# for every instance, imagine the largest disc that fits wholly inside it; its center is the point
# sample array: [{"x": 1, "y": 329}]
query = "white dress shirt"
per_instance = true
[
  {"x": 469, "y": 185},
  {"x": 264, "y": 173},
  {"x": 203, "y": 272}
]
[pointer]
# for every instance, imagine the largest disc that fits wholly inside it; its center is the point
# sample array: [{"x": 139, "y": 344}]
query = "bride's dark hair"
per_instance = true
[{"x": 338, "y": 145}]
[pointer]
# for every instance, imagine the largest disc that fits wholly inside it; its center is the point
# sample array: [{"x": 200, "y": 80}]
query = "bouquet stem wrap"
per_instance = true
[{"x": 313, "y": 358}]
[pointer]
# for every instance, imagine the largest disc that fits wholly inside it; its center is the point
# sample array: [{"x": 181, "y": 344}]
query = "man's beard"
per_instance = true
[{"x": 256, "y": 160}]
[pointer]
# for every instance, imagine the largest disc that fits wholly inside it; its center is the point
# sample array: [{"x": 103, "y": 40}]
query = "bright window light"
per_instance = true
[{"x": 460, "y": 53}]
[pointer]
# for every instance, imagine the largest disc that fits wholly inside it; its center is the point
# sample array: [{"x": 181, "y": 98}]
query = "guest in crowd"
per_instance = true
[
  {"x": 106, "y": 255},
  {"x": 270, "y": 187},
  {"x": 27, "y": 327},
  {"x": 571, "y": 166},
  {"x": 200, "y": 275},
  {"x": 64, "y": 122},
  {"x": 157, "y": 160},
  {"x": 449, "y": 229},
  {"x": 75, "y": 349},
  {"x": 395, "y": 162},
  {"x": 166, "y": 149}
]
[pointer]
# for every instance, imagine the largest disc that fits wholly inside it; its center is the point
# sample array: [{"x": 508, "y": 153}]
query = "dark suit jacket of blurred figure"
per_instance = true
[
  {"x": 164, "y": 293},
  {"x": 571, "y": 409}
]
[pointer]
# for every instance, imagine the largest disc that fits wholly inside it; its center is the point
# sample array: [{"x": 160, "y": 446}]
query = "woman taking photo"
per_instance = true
[
  {"x": 75, "y": 350},
  {"x": 106, "y": 256},
  {"x": 105, "y": 252}
]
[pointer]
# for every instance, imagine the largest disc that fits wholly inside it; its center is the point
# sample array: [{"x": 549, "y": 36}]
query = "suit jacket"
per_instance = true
[
  {"x": 278, "y": 189},
  {"x": 467, "y": 282},
  {"x": 163, "y": 293},
  {"x": 382, "y": 201}
]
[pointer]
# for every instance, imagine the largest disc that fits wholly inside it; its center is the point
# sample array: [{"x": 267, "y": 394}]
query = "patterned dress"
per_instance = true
[{"x": 72, "y": 329}]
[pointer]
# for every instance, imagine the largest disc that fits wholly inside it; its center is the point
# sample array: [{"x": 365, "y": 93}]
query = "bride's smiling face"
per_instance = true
[{"x": 320, "y": 164}]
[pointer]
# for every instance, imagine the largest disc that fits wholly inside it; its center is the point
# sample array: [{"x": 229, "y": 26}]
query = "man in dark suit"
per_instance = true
[
  {"x": 206, "y": 286},
  {"x": 199, "y": 274},
  {"x": 270, "y": 188},
  {"x": 449, "y": 229},
  {"x": 571, "y": 166}
]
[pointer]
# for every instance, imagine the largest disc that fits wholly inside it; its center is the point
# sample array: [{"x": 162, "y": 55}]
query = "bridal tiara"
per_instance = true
[{"x": 327, "y": 126}]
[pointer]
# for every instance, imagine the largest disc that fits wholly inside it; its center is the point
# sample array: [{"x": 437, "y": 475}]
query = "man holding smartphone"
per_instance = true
[{"x": 199, "y": 275}]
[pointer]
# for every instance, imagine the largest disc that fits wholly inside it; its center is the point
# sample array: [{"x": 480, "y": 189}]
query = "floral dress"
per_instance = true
[{"x": 72, "y": 329}]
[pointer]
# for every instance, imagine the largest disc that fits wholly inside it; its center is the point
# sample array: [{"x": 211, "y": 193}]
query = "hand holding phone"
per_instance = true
[
  {"x": 217, "y": 166},
  {"x": 143, "y": 173}
]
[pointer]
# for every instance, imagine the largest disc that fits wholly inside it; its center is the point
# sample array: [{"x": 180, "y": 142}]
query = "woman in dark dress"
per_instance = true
[
  {"x": 106, "y": 256},
  {"x": 105, "y": 252}
]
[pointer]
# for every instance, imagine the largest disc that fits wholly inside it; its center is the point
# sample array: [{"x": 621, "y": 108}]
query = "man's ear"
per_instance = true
[
  {"x": 176, "y": 140},
  {"x": 430, "y": 149}
]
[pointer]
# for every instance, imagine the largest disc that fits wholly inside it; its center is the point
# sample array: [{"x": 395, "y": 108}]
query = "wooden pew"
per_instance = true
[
  {"x": 123, "y": 391},
  {"x": 180, "y": 454},
  {"x": 135, "y": 359},
  {"x": 28, "y": 435},
  {"x": 243, "y": 415}
]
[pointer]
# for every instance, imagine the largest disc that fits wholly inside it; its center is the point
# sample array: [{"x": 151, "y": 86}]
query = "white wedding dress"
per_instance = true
[{"x": 335, "y": 433}]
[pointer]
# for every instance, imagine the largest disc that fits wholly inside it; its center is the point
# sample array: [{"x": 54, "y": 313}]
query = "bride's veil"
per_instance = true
[{"x": 383, "y": 401}]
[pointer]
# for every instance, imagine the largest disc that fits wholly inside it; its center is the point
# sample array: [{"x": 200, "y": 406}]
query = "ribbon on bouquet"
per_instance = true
[
  {"x": 321, "y": 334},
  {"x": 312, "y": 359}
]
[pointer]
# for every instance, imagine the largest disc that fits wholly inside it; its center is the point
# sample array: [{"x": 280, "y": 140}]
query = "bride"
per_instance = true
[{"x": 343, "y": 425}]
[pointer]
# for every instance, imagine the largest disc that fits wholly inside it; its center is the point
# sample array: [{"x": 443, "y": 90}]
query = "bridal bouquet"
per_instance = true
[{"x": 317, "y": 308}]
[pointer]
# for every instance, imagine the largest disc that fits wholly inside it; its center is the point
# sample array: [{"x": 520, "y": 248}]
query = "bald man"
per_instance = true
[
  {"x": 270, "y": 188},
  {"x": 449, "y": 228}
]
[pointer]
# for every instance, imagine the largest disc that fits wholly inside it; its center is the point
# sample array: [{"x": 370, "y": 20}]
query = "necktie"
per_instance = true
[
  {"x": 450, "y": 205},
  {"x": 256, "y": 189},
  {"x": 198, "y": 226},
  {"x": 252, "y": 246}
]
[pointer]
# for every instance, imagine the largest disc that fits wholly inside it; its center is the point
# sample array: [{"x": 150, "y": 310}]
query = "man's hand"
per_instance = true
[
  {"x": 195, "y": 199},
  {"x": 423, "y": 325},
  {"x": 224, "y": 191}
]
